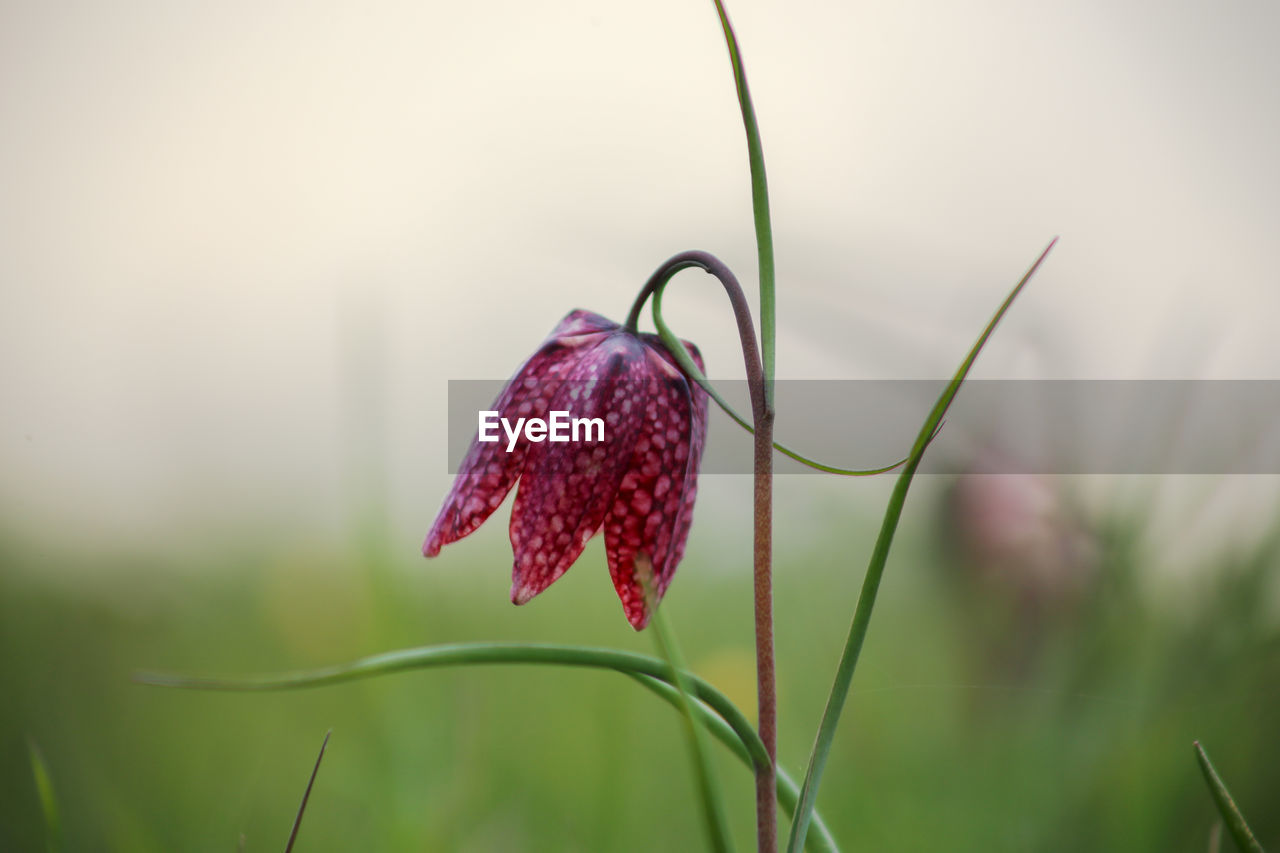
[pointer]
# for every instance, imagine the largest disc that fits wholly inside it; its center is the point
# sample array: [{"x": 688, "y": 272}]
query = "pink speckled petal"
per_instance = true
[
  {"x": 581, "y": 322},
  {"x": 638, "y": 483},
  {"x": 650, "y": 517},
  {"x": 698, "y": 435},
  {"x": 488, "y": 472},
  {"x": 568, "y": 487}
]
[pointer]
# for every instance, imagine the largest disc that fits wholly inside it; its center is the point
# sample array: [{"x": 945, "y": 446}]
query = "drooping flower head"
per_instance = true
[{"x": 636, "y": 483}]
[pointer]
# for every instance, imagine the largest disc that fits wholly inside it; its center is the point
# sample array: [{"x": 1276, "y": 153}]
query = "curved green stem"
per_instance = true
[
  {"x": 875, "y": 570},
  {"x": 708, "y": 783},
  {"x": 682, "y": 357},
  {"x": 455, "y": 654},
  {"x": 720, "y": 715},
  {"x": 762, "y": 513},
  {"x": 820, "y": 840}
]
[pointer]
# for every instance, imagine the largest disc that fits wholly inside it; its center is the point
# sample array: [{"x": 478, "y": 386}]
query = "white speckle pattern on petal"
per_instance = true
[
  {"x": 488, "y": 472},
  {"x": 575, "y": 482},
  {"x": 649, "y": 517},
  {"x": 637, "y": 485}
]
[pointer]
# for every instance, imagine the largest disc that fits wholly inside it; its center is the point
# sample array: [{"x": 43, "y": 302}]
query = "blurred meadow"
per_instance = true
[
  {"x": 245, "y": 246},
  {"x": 990, "y": 711}
]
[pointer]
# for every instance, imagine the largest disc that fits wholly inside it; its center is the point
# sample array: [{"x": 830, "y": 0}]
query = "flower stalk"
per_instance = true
[
  {"x": 766, "y": 682},
  {"x": 762, "y": 545},
  {"x": 713, "y": 810},
  {"x": 766, "y": 814}
]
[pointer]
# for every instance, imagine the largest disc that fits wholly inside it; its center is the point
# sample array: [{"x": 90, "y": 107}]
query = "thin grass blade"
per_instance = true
[
  {"x": 48, "y": 798},
  {"x": 759, "y": 205},
  {"x": 464, "y": 654},
  {"x": 820, "y": 839},
  {"x": 875, "y": 570},
  {"x": 306, "y": 795},
  {"x": 1231, "y": 815}
]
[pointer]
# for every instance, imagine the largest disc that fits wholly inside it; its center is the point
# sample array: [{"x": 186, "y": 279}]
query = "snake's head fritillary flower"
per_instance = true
[{"x": 637, "y": 482}]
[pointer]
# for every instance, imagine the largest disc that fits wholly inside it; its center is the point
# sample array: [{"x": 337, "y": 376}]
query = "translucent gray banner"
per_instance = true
[{"x": 995, "y": 426}]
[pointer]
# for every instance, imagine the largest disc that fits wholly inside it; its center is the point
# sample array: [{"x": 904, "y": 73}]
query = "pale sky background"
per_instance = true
[{"x": 244, "y": 245}]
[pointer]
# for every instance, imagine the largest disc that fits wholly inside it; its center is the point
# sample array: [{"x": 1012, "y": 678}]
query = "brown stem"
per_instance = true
[
  {"x": 762, "y": 547},
  {"x": 766, "y": 686}
]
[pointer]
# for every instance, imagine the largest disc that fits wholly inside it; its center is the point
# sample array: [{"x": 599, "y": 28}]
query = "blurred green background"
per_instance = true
[{"x": 1011, "y": 696}]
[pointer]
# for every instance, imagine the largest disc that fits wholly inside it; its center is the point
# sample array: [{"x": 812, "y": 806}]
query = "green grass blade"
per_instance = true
[
  {"x": 48, "y": 798},
  {"x": 759, "y": 205},
  {"x": 686, "y": 362},
  {"x": 820, "y": 840},
  {"x": 752, "y": 753},
  {"x": 306, "y": 795},
  {"x": 464, "y": 654},
  {"x": 1227, "y": 807},
  {"x": 875, "y": 570},
  {"x": 713, "y": 813}
]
